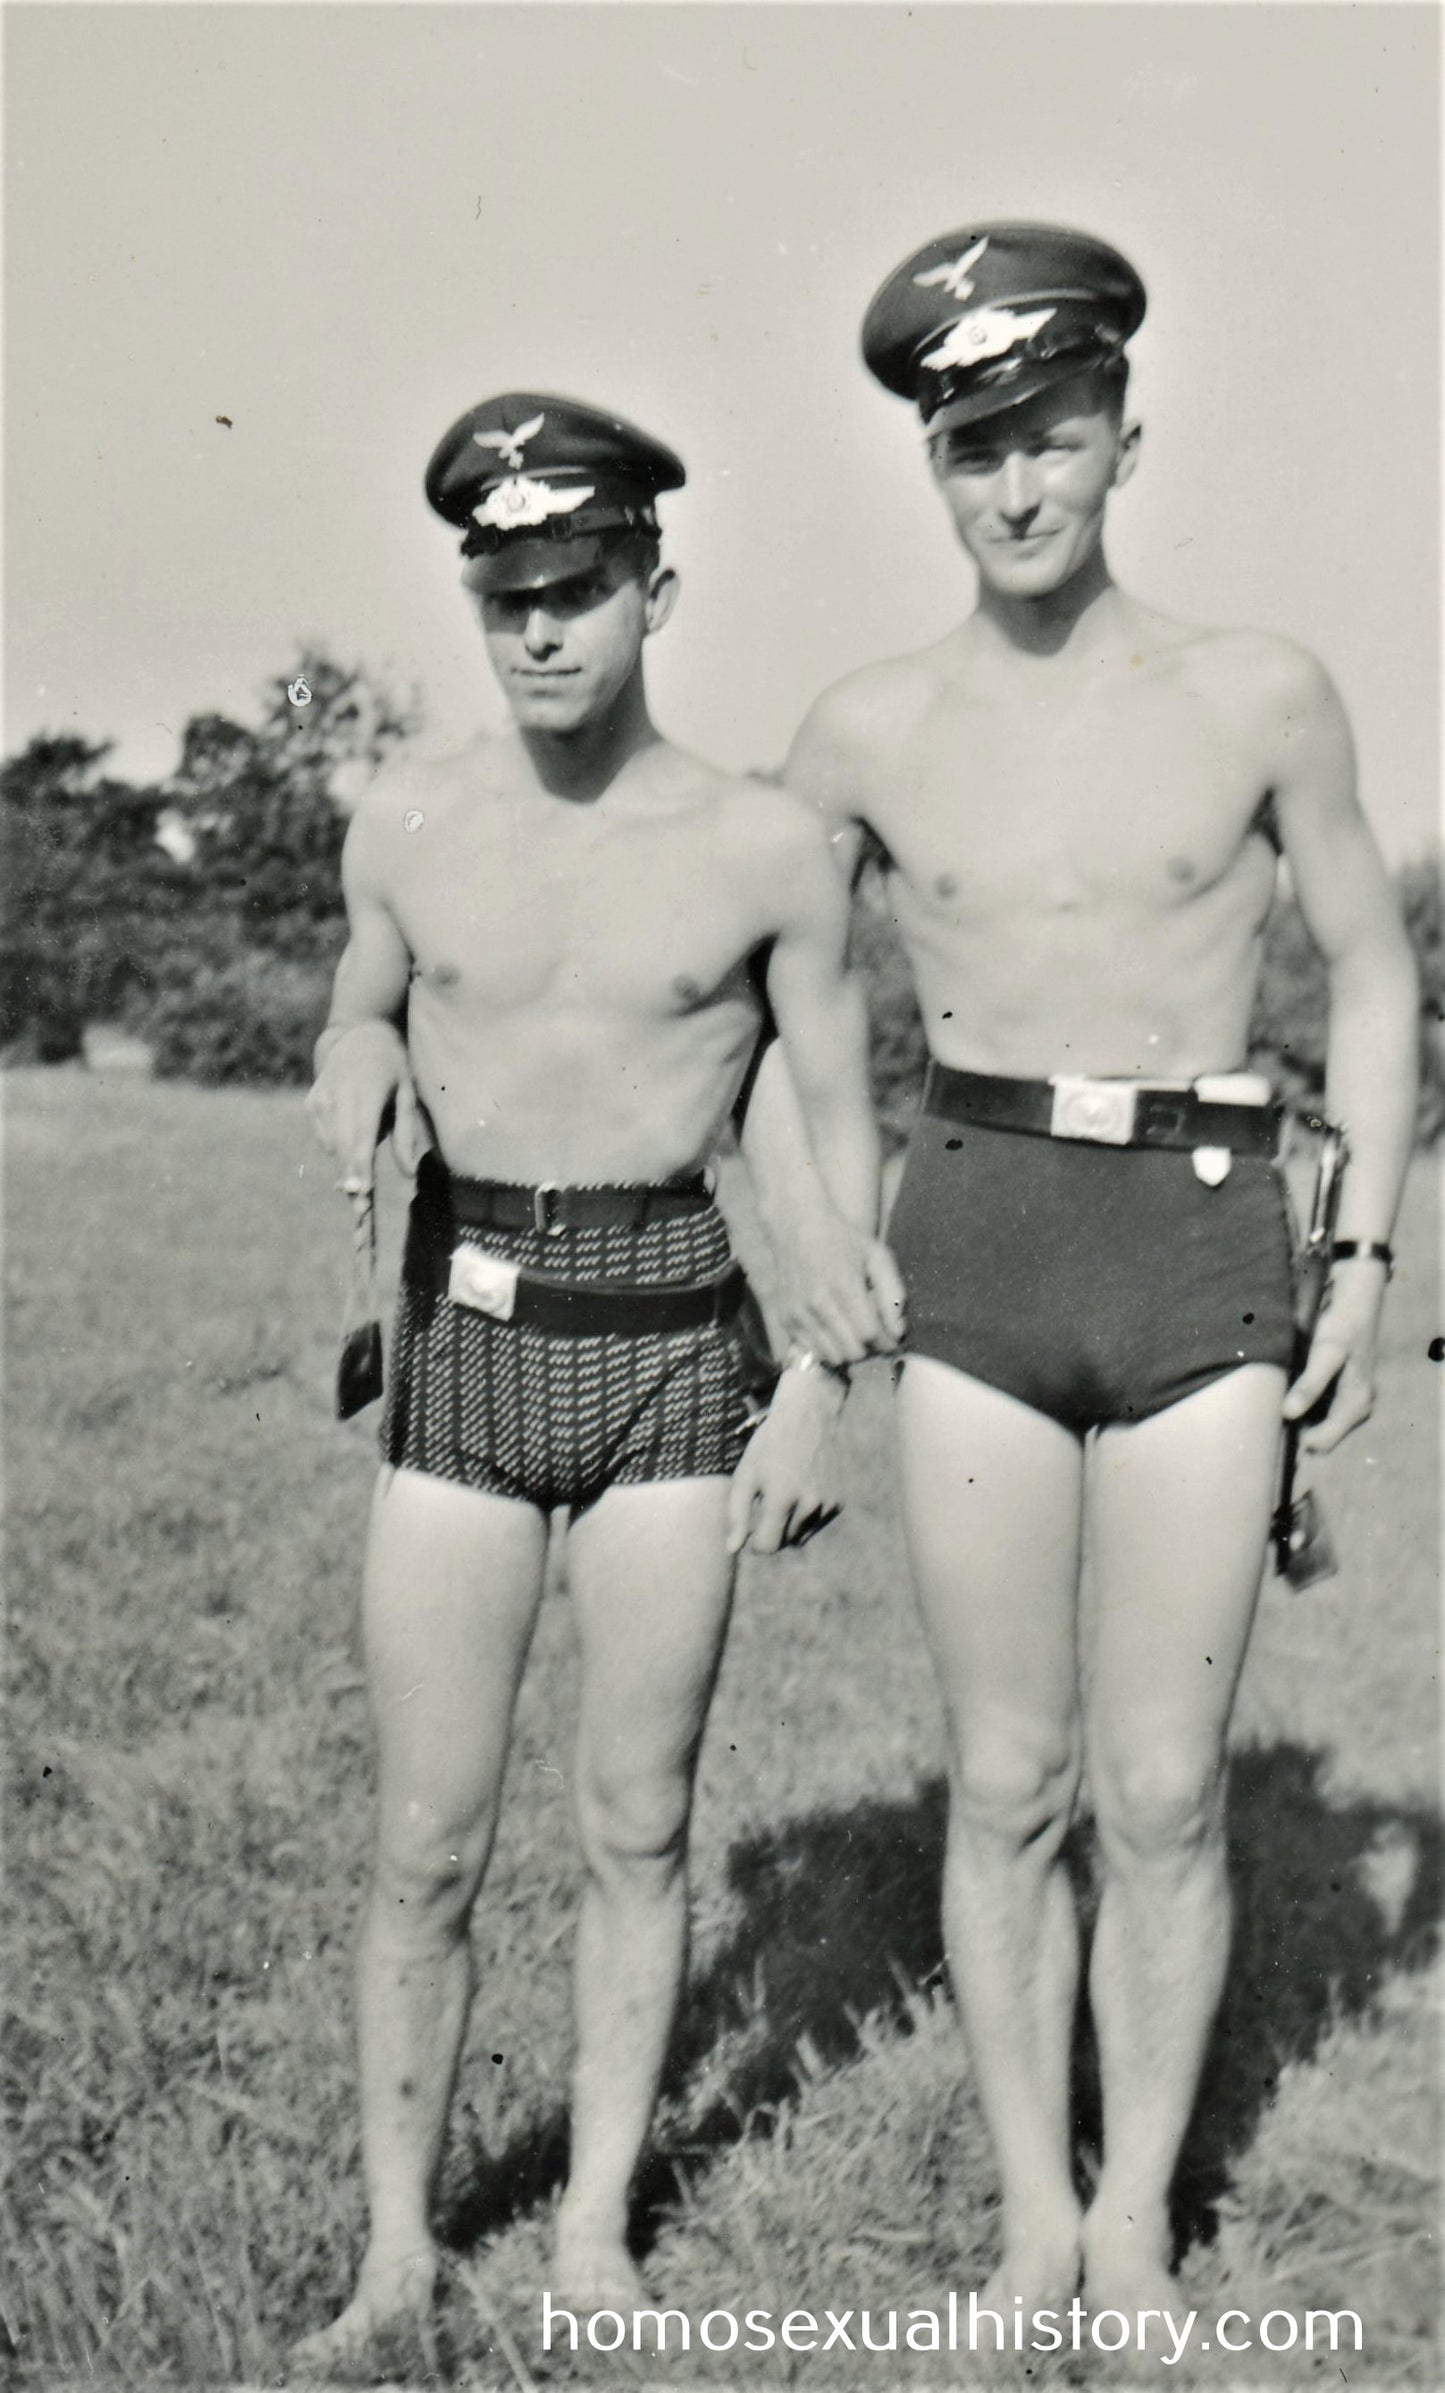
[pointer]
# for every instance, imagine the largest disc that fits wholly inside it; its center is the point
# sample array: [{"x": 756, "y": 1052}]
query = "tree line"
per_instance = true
[{"x": 203, "y": 913}]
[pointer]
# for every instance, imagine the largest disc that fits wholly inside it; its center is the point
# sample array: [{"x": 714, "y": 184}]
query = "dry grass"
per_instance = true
[{"x": 188, "y": 1814}]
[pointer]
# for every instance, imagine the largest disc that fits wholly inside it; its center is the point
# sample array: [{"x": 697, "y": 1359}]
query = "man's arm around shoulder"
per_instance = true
[{"x": 844, "y": 757}]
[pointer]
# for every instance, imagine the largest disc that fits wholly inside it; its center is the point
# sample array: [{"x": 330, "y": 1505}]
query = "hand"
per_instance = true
[
  {"x": 786, "y": 1486},
  {"x": 840, "y": 1293},
  {"x": 362, "y": 1086},
  {"x": 1340, "y": 1366}
]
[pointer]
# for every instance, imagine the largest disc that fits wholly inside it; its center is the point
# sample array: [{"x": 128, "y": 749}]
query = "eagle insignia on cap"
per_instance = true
[
  {"x": 985, "y": 332},
  {"x": 519, "y": 501},
  {"x": 510, "y": 444},
  {"x": 955, "y": 278}
]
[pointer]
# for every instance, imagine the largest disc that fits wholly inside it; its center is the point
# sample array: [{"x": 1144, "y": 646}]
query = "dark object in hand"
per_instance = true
[
  {"x": 358, "y": 1372},
  {"x": 1304, "y": 1548},
  {"x": 1303, "y": 1552}
]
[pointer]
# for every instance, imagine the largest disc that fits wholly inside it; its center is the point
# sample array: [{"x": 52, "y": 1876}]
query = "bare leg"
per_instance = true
[
  {"x": 991, "y": 1500},
  {"x": 452, "y": 1585},
  {"x": 1178, "y": 1513},
  {"x": 652, "y": 1586}
]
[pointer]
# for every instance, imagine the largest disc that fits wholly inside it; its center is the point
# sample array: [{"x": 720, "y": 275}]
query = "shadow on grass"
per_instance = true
[
  {"x": 840, "y": 1921},
  {"x": 1331, "y": 1900}
]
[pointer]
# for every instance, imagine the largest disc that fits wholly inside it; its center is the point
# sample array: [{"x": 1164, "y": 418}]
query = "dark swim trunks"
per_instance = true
[
  {"x": 1096, "y": 1283},
  {"x": 547, "y": 1416}
]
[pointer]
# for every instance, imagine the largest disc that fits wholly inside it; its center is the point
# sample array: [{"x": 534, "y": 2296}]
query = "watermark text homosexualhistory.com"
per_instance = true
[{"x": 968, "y": 2325}]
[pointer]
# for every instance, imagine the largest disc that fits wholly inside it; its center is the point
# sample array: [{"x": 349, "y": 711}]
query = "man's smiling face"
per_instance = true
[{"x": 1027, "y": 487}]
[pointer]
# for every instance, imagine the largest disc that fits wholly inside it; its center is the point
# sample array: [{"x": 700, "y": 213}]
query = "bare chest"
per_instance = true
[
  {"x": 508, "y": 916},
  {"x": 1145, "y": 799}
]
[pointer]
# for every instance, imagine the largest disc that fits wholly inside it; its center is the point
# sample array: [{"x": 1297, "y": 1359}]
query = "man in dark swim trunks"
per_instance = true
[
  {"x": 1071, "y": 794},
  {"x": 569, "y": 921}
]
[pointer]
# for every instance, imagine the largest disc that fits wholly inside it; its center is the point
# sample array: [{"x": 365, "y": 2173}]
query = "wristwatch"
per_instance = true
[{"x": 1365, "y": 1250}]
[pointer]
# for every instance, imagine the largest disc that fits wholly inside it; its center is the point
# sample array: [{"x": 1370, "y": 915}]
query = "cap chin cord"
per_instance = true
[{"x": 488, "y": 540}]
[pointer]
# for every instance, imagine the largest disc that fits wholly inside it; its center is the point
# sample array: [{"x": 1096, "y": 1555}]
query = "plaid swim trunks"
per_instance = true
[{"x": 550, "y": 1417}]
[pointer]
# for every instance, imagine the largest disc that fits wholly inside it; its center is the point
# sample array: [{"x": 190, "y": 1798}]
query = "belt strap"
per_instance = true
[
  {"x": 625, "y": 1312},
  {"x": 507, "y": 1205},
  {"x": 1161, "y": 1117}
]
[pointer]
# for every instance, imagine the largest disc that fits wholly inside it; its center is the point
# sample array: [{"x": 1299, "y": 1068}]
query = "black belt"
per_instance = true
[
  {"x": 1115, "y": 1113},
  {"x": 507, "y": 1205},
  {"x": 595, "y": 1309},
  {"x": 624, "y": 1312}
]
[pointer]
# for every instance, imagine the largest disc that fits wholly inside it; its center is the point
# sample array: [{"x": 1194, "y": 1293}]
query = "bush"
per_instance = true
[
  {"x": 90, "y": 896},
  {"x": 1422, "y": 897},
  {"x": 205, "y": 915},
  {"x": 253, "y": 1017},
  {"x": 899, "y": 1050}
]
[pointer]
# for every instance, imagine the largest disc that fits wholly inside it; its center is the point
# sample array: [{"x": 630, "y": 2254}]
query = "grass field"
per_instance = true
[{"x": 187, "y": 1824}]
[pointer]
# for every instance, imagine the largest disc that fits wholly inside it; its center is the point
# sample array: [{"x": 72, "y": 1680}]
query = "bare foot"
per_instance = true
[
  {"x": 1126, "y": 2266},
  {"x": 392, "y": 2302},
  {"x": 592, "y": 2269},
  {"x": 1040, "y": 2269}
]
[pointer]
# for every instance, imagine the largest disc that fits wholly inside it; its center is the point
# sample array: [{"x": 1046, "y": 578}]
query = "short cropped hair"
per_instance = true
[
  {"x": 1111, "y": 380},
  {"x": 639, "y": 549}
]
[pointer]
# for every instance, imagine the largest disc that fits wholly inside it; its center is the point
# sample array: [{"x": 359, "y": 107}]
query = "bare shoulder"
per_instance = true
[
  {"x": 771, "y": 825},
  {"x": 420, "y": 786},
  {"x": 1259, "y": 674},
  {"x": 746, "y": 813},
  {"x": 879, "y": 705},
  {"x": 844, "y": 759}
]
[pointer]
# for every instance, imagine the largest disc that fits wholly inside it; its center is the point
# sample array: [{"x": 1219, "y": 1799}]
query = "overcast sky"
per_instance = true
[{"x": 340, "y": 226}]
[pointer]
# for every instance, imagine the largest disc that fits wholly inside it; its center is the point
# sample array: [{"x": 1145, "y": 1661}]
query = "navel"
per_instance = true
[
  {"x": 1181, "y": 870},
  {"x": 445, "y": 976},
  {"x": 946, "y": 885}
]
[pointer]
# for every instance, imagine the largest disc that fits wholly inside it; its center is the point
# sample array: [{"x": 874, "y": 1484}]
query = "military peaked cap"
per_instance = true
[
  {"x": 525, "y": 470},
  {"x": 981, "y": 319}
]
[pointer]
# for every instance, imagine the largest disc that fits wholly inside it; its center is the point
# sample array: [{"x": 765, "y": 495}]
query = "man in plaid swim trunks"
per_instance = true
[{"x": 572, "y": 922}]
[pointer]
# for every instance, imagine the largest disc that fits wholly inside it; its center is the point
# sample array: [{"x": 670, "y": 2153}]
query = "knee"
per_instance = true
[
  {"x": 1158, "y": 1801},
  {"x": 632, "y": 1825},
  {"x": 1014, "y": 1784},
  {"x": 428, "y": 1869}
]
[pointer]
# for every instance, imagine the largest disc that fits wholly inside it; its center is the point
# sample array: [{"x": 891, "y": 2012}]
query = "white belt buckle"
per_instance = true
[
  {"x": 1101, "y": 1110},
  {"x": 483, "y": 1283}
]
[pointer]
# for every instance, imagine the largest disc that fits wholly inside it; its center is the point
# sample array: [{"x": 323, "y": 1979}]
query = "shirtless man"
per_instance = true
[
  {"x": 550, "y": 973},
  {"x": 1078, "y": 803}
]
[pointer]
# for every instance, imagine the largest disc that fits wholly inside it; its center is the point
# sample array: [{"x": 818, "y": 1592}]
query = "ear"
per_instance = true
[
  {"x": 661, "y": 597},
  {"x": 1130, "y": 437}
]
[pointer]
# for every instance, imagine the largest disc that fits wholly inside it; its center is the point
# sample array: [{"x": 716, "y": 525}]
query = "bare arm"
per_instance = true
[
  {"x": 1372, "y": 1057},
  {"x": 822, "y": 769},
  {"x": 812, "y": 1153},
  {"x": 811, "y": 1120},
  {"x": 823, "y": 1025},
  {"x": 361, "y": 1060}
]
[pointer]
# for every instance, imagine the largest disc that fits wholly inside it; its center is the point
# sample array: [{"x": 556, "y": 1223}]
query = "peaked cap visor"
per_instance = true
[
  {"x": 524, "y": 562},
  {"x": 977, "y": 405}
]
